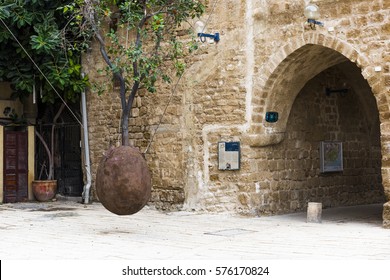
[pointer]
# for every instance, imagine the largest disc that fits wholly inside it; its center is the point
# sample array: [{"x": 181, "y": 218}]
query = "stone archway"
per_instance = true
[
  {"x": 282, "y": 78},
  {"x": 290, "y": 68}
]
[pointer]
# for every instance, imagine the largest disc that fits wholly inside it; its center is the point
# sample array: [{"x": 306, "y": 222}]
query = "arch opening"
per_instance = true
[
  {"x": 308, "y": 114},
  {"x": 282, "y": 87},
  {"x": 350, "y": 118}
]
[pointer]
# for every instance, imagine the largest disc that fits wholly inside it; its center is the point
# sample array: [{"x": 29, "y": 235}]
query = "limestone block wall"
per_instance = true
[{"x": 268, "y": 59}]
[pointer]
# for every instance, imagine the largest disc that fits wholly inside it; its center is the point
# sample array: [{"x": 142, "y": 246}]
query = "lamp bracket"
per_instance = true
[
  {"x": 202, "y": 37},
  {"x": 342, "y": 91},
  {"x": 313, "y": 23}
]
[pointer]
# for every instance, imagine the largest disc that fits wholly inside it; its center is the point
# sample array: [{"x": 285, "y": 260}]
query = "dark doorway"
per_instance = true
[
  {"x": 15, "y": 164},
  {"x": 68, "y": 170},
  {"x": 67, "y": 149}
]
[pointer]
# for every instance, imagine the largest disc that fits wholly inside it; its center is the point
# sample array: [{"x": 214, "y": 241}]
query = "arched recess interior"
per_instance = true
[{"x": 282, "y": 78}]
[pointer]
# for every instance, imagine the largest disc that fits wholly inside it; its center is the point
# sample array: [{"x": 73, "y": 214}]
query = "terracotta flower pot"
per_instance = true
[{"x": 44, "y": 190}]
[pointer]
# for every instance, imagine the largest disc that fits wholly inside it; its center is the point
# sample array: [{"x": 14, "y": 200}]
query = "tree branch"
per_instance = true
[{"x": 117, "y": 74}]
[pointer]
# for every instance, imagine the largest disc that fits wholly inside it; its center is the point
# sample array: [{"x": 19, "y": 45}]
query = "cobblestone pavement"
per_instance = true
[{"x": 66, "y": 230}]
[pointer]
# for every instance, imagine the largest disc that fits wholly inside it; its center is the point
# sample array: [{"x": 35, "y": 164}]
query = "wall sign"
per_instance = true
[
  {"x": 228, "y": 155},
  {"x": 271, "y": 117},
  {"x": 331, "y": 156}
]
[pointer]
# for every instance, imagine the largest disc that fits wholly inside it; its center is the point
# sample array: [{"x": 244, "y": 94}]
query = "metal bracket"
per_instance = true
[{"x": 203, "y": 36}]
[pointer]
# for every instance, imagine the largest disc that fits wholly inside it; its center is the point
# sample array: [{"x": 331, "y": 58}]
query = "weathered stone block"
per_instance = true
[{"x": 314, "y": 212}]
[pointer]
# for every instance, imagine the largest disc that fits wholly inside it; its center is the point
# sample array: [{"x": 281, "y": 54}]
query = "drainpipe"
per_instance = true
[{"x": 87, "y": 186}]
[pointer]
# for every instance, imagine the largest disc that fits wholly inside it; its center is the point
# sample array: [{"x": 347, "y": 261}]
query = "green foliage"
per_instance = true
[
  {"x": 49, "y": 32},
  {"x": 141, "y": 46}
]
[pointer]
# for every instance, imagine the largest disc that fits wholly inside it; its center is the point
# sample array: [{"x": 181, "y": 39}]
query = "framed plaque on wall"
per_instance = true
[{"x": 229, "y": 155}]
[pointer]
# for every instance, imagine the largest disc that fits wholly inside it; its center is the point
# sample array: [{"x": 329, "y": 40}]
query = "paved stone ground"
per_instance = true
[{"x": 66, "y": 230}]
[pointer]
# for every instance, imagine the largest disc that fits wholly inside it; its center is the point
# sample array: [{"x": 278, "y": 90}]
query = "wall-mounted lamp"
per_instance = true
[
  {"x": 342, "y": 91},
  {"x": 312, "y": 13}
]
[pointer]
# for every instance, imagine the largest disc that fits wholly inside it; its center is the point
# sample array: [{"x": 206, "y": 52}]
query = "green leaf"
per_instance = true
[{"x": 5, "y": 11}]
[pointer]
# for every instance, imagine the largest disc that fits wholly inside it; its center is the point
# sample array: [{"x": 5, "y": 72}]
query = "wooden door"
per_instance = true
[{"x": 15, "y": 166}]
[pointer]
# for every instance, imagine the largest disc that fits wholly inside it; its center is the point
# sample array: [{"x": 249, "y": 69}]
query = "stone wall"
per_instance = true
[{"x": 268, "y": 59}]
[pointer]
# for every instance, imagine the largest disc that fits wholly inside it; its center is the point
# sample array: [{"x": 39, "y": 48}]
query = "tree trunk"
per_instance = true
[
  {"x": 51, "y": 167},
  {"x": 125, "y": 129},
  {"x": 47, "y": 151}
]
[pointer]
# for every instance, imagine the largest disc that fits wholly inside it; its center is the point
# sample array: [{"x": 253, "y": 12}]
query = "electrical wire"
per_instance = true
[
  {"x": 175, "y": 86},
  {"x": 39, "y": 69}
]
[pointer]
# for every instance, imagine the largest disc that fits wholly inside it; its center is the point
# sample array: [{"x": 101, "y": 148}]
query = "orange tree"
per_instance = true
[
  {"x": 141, "y": 57},
  {"x": 151, "y": 42}
]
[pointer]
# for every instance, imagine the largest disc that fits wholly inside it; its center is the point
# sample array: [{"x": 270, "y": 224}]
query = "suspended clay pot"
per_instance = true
[
  {"x": 123, "y": 181},
  {"x": 44, "y": 190}
]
